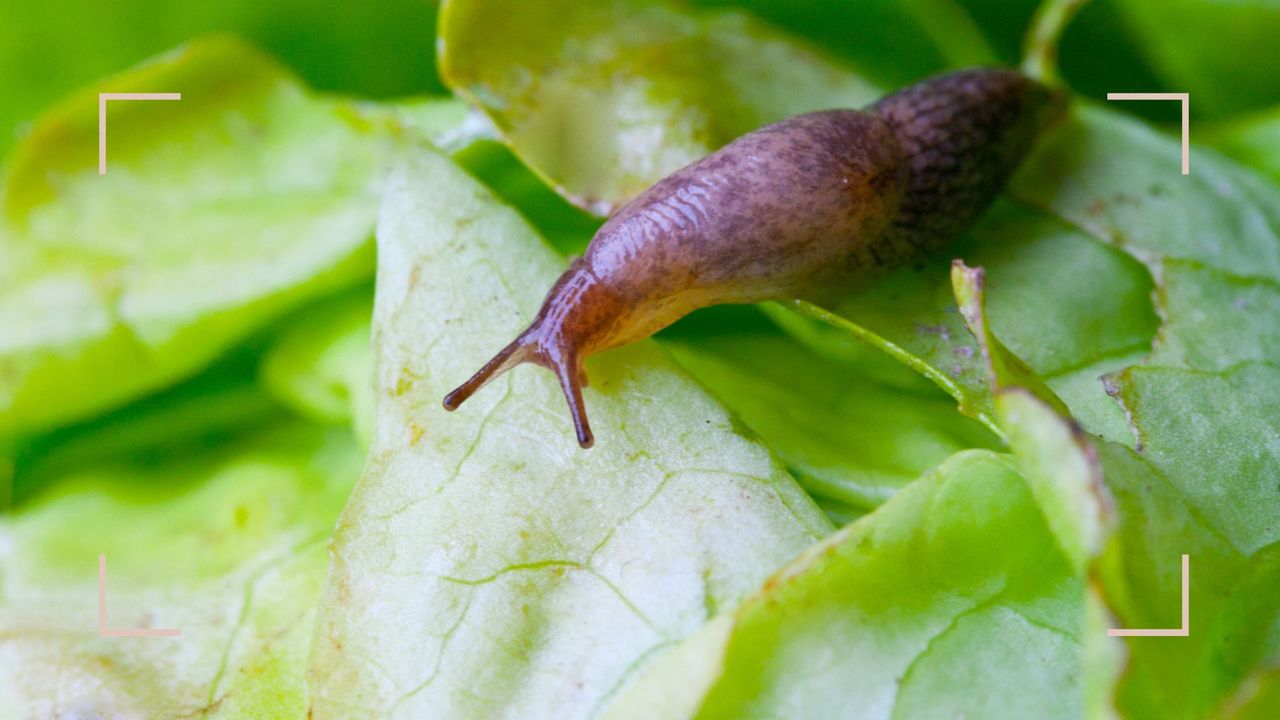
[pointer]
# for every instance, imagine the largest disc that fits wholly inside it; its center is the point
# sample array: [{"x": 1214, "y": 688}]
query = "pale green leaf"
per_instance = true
[
  {"x": 605, "y": 98},
  {"x": 226, "y": 544},
  {"x": 923, "y": 608},
  {"x": 487, "y": 565},
  {"x": 218, "y": 213},
  {"x": 1113, "y": 277},
  {"x": 852, "y": 441},
  {"x": 320, "y": 364}
]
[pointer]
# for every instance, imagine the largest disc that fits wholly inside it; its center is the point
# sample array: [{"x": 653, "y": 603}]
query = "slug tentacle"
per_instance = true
[
  {"x": 533, "y": 346},
  {"x": 577, "y": 318},
  {"x": 508, "y": 357},
  {"x": 569, "y": 370},
  {"x": 806, "y": 207}
]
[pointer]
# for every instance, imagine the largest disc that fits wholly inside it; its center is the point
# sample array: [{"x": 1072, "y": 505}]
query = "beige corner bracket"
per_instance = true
[
  {"x": 104, "y": 631},
  {"x": 102, "y": 118},
  {"x": 1183, "y": 631},
  {"x": 1186, "y": 118}
]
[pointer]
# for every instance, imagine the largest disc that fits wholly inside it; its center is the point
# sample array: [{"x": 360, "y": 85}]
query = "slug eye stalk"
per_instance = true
[{"x": 526, "y": 348}]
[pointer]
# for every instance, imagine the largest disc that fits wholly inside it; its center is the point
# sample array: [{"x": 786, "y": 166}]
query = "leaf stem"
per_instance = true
[
  {"x": 903, "y": 356},
  {"x": 1040, "y": 48}
]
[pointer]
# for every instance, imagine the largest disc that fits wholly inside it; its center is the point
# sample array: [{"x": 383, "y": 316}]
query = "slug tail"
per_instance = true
[{"x": 508, "y": 357}]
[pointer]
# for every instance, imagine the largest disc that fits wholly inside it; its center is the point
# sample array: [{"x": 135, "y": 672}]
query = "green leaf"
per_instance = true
[
  {"x": 1114, "y": 278},
  {"x": 1073, "y": 308},
  {"x": 1201, "y": 409},
  {"x": 1253, "y": 140},
  {"x": 923, "y": 608},
  {"x": 485, "y": 563},
  {"x": 226, "y": 544},
  {"x": 1062, "y": 468},
  {"x": 1060, "y": 465},
  {"x": 1140, "y": 576},
  {"x": 320, "y": 364},
  {"x": 827, "y": 635},
  {"x": 889, "y": 42},
  {"x": 1214, "y": 436},
  {"x": 107, "y": 288},
  {"x": 850, "y": 440},
  {"x": 1210, "y": 49},
  {"x": 1216, "y": 319},
  {"x": 1070, "y": 306},
  {"x": 628, "y": 91},
  {"x": 222, "y": 403},
  {"x": 1118, "y": 180},
  {"x": 1004, "y": 369},
  {"x": 1218, "y": 507},
  {"x": 378, "y": 49}
]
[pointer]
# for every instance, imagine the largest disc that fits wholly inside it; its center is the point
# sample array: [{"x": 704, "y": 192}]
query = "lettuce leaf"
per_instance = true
[
  {"x": 1252, "y": 140},
  {"x": 1146, "y": 302},
  {"x": 921, "y": 609},
  {"x": 897, "y": 615},
  {"x": 485, "y": 563},
  {"x": 603, "y": 114},
  {"x": 911, "y": 38},
  {"x": 1217, "y": 62},
  {"x": 851, "y": 440},
  {"x": 1191, "y": 468},
  {"x": 378, "y": 49},
  {"x": 226, "y": 544},
  {"x": 106, "y": 290}
]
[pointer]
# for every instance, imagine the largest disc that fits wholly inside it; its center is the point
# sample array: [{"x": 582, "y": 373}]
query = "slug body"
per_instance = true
[{"x": 800, "y": 208}]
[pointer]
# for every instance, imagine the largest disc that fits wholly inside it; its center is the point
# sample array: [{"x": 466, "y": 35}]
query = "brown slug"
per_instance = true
[{"x": 796, "y": 209}]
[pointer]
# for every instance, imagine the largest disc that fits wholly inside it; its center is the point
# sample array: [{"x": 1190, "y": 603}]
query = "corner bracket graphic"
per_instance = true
[
  {"x": 1186, "y": 118},
  {"x": 102, "y": 118},
  {"x": 1183, "y": 631}
]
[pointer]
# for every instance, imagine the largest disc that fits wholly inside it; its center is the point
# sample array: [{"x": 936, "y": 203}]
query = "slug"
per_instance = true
[{"x": 798, "y": 209}]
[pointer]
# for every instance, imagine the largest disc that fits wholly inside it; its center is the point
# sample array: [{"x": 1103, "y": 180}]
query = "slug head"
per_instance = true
[
  {"x": 530, "y": 348},
  {"x": 577, "y": 318}
]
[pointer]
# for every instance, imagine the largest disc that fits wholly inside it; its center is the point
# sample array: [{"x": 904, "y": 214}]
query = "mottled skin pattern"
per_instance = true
[
  {"x": 963, "y": 135},
  {"x": 800, "y": 208}
]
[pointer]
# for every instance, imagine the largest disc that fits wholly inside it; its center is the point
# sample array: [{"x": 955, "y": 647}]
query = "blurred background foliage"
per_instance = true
[
  {"x": 380, "y": 48},
  {"x": 385, "y": 48}
]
